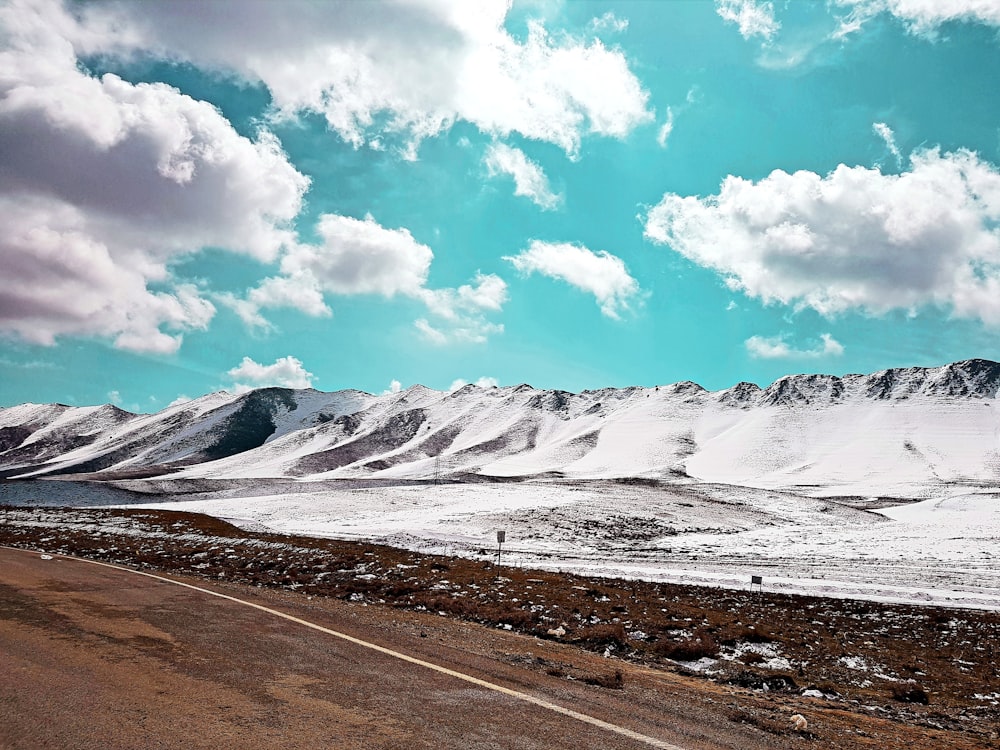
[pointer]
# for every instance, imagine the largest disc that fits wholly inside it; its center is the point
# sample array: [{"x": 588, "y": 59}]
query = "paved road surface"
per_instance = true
[{"x": 94, "y": 657}]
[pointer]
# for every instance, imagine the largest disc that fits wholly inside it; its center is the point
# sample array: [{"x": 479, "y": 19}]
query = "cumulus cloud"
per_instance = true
[
  {"x": 529, "y": 178},
  {"x": 394, "y": 387},
  {"x": 376, "y": 71},
  {"x": 487, "y": 292},
  {"x": 300, "y": 290},
  {"x": 461, "y": 312},
  {"x": 921, "y": 17},
  {"x": 360, "y": 256},
  {"x": 354, "y": 256},
  {"x": 106, "y": 182},
  {"x": 357, "y": 256},
  {"x": 852, "y": 239},
  {"x": 777, "y": 347},
  {"x": 599, "y": 273},
  {"x": 752, "y": 17},
  {"x": 285, "y": 372},
  {"x": 483, "y": 382}
]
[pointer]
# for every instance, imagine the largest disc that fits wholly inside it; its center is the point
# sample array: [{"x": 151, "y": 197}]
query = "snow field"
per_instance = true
[{"x": 934, "y": 552}]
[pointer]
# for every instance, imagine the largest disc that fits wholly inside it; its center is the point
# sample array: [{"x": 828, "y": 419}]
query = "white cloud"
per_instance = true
[
  {"x": 106, "y": 182},
  {"x": 362, "y": 257},
  {"x": 286, "y": 372},
  {"x": 853, "y": 239},
  {"x": 429, "y": 332},
  {"x": 776, "y": 347},
  {"x": 379, "y": 71},
  {"x": 609, "y": 22},
  {"x": 884, "y": 132},
  {"x": 692, "y": 97},
  {"x": 115, "y": 397},
  {"x": 301, "y": 291},
  {"x": 461, "y": 312},
  {"x": 483, "y": 382},
  {"x": 356, "y": 256},
  {"x": 245, "y": 310},
  {"x": 599, "y": 273},
  {"x": 753, "y": 18},
  {"x": 666, "y": 129},
  {"x": 394, "y": 387},
  {"x": 529, "y": 178},
  {"x": 182, "y": 399},
  {"x": 921, "y": 17},
  {"x": 466, "y": 330},
  {"x": 487, "y": 292}
]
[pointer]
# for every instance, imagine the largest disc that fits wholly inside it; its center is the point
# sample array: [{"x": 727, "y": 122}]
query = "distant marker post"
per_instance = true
[{"x": 501, "y": 538}]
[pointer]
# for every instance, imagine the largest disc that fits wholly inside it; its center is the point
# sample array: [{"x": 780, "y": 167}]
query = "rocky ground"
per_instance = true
[{"x": 922, "y": 672}]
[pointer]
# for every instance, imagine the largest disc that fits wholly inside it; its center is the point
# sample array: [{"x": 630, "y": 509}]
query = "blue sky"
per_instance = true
[{"x": 570, "y": 194}]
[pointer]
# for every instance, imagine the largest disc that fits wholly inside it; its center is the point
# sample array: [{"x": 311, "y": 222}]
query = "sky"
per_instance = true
[{"x": 575, "y": 195}]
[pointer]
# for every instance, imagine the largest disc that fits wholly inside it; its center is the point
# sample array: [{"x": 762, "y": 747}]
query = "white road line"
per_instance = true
[{"x": 526, "y": 697}]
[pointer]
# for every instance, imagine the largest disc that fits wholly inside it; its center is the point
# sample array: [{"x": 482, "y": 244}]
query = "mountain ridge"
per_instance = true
[{"x": 918, "y": 424}]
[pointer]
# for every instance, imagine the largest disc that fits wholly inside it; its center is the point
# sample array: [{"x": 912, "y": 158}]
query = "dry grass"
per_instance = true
[
  {"x": 699, "y": 646},
  {"x": 611, "y": 680},
  {"x": 909, "y": 693}
]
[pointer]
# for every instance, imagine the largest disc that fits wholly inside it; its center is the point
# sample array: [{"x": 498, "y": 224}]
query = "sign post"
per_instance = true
[
  {"x": 757, "y": 581},
  {"x": 501, "y": 538}
]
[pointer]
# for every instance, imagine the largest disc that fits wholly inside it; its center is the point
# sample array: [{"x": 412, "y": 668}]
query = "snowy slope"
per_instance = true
[
  {"x": 904, "y": 432},
  {"x": 34, "y": 433}
]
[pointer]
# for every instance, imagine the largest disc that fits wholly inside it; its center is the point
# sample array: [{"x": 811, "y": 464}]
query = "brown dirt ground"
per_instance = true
[{"x": 463, "y": 608}]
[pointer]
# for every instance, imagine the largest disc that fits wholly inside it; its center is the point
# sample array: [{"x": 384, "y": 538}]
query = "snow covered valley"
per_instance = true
[{"x": 935, "y": 551}]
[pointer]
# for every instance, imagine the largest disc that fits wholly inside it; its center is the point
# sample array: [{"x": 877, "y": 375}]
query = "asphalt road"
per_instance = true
[{"x": 97, "y": 657}]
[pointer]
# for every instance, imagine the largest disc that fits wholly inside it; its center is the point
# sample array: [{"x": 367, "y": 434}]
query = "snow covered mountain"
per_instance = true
[{"x": 899, "y": 432}]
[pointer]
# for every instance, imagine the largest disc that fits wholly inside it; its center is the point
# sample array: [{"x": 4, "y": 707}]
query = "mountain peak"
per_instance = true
[
  {"x": 978, "y": 378},
  {"x": 742, "y": 395},
  {"x": 803, "y": 389}
]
